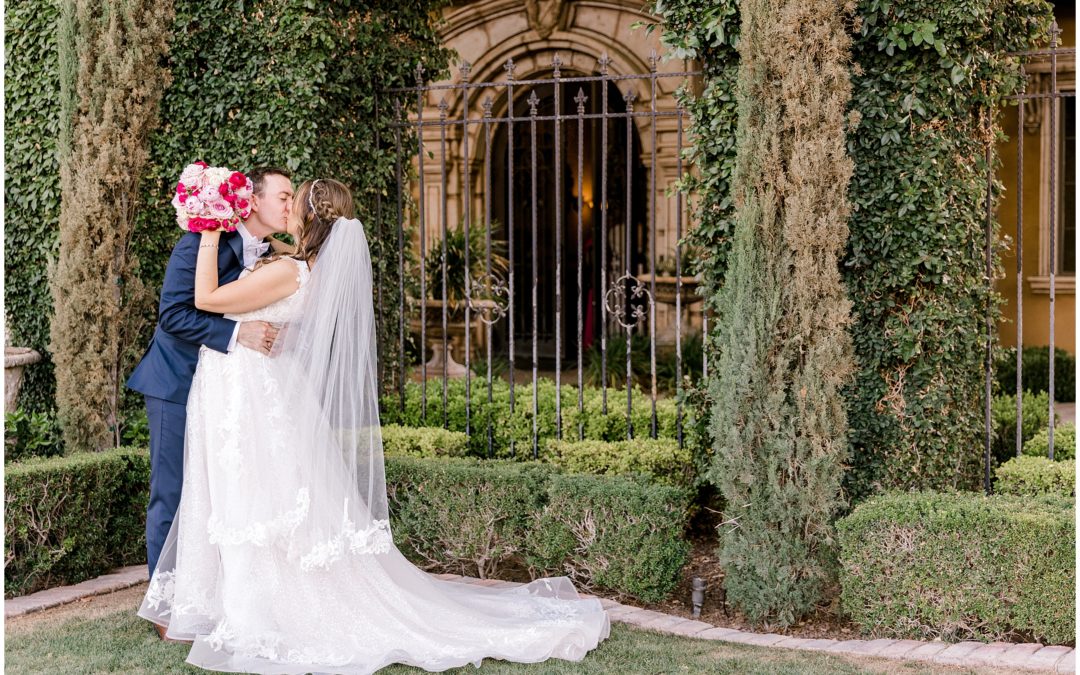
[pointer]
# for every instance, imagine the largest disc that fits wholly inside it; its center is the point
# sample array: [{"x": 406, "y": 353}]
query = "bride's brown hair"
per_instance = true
[{"x": 331, "y": 200}]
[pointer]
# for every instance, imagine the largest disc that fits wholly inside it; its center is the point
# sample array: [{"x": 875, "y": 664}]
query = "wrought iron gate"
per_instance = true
[{"x": 537, "y": 146}]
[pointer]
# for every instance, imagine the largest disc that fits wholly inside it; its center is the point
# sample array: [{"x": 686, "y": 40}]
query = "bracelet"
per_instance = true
[{"x": 208, "y": 245}]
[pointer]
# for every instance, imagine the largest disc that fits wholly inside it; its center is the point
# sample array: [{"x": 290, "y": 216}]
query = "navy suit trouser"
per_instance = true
[{"x": 167, "y": 422}]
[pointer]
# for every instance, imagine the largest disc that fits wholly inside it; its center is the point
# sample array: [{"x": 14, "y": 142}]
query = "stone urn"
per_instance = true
[
  {"x": 667, "y": 287},
  {"x": 455, "y": 338},
  {"x": 15, "y": 360}
]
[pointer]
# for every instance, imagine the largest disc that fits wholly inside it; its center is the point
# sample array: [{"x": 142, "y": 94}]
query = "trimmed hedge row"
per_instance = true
[
  {"x": 68, "y": 519},
  {"x": 660, "y": 459},
  {"x": 1032, "y": 476},
  {"x": 511, "y": 431},
  {"x": 960, "y": 567},
  {"x": 483, "y": 517},
  {"x": 423, "y": 441},
  {"x": 623, "y": 535}
]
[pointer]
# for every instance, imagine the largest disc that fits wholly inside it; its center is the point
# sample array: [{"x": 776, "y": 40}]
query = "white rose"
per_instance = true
[{"x": 192, "y": 175}]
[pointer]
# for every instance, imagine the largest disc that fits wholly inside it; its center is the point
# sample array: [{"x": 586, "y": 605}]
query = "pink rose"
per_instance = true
[
  {"x": 237, "y": 179},
  {"x": 223, "y": 189},
  {"x": 241, "y": 204},
  {"x": 180, "y": 188},
  {"x": 231, "y": 198},
  {"x": 203, "y": 164}
]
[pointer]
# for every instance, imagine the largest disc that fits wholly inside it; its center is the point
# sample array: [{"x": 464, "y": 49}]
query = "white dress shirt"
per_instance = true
[{"x": 253, "y": 249}]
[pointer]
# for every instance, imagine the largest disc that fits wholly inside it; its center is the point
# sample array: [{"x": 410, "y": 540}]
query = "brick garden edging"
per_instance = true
[
  {"x": 125, "y": 577},
  {"x": 1033, "y": 656}
]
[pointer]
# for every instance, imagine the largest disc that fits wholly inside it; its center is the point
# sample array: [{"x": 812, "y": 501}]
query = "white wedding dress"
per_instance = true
[{"x": 261, "y": 584}]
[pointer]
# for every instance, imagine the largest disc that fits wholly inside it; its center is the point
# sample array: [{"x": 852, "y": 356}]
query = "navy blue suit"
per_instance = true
[{"x": 165, "y": 372}]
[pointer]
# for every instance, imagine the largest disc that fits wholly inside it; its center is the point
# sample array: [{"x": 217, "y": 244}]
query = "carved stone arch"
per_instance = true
[
  {"x": 533, "y": 61},
  {"x": 487, "y": 33}
]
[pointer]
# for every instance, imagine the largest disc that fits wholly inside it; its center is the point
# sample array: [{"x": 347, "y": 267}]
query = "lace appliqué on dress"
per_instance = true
[
  {"x": 268, "y": 646},
  {"x": 372, "y": 540},
  {"x": 162, "y": 589},
  {"x": 261, "y": 534}
]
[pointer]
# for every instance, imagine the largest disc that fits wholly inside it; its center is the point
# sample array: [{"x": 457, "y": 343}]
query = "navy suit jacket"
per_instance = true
[{"x": 167, "y": 368}]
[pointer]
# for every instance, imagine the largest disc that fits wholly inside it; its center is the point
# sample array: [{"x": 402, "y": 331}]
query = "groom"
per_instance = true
[{"x": 164, "y": 375}]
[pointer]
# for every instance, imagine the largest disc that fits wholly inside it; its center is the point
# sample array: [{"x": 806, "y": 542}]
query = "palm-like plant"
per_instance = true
[{"x": 456, "y": 246}]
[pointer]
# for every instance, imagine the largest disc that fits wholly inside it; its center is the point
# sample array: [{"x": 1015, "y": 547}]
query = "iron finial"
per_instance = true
[
  {"x": 533, "y": 100},
  {"x": 556, "y": 66},
  {"x": 580, "y": 100}
]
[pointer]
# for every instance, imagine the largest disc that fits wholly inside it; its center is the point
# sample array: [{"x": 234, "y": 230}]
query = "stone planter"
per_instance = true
[
  {"x": 455, "y": 339},
  {"x": 667, "y": 291},
  {"x": 15, "y": 360},
  {"x": 666, "y": 288}
]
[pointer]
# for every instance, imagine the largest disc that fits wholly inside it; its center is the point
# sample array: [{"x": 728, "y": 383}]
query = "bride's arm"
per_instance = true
[{"x": 264, "y": 286}]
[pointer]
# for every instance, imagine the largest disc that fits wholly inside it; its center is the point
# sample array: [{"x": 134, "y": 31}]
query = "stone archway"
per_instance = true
[
  {"x": 509, "y": 50},
  {"x": 530, "y": 35}
]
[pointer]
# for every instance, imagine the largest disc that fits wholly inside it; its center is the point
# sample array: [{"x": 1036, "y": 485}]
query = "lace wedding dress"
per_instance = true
[{"x": 252, "y": 573}]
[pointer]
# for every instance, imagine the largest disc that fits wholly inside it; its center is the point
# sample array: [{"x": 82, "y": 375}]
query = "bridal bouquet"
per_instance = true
[{"x": 211, "y": 197}]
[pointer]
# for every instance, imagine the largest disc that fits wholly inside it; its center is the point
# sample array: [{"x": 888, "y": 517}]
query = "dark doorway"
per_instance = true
[{"x": 552, "y": 214}]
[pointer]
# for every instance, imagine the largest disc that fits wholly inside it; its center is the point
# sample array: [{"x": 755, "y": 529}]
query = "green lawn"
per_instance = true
[{"x": 111, "y": 640}]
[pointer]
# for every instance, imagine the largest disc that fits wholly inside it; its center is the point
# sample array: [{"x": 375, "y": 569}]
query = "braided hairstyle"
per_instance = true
[{"x": 319, "y": 203}]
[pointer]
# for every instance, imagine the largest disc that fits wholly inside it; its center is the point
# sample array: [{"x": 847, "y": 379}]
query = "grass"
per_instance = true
[{"x": 104, "y": 636}]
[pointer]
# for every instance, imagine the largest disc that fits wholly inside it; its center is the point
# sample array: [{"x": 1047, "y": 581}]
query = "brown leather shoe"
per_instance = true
[{"x": 161, "y": 634}]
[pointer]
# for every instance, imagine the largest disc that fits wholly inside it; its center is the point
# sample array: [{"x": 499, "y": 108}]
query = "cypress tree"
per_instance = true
[
  {"x": 112, "y": 80},
  {"x": 784, "y": 353}
]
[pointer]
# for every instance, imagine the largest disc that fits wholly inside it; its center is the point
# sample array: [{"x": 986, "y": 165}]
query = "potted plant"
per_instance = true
[{"x": 483, "y": 288}]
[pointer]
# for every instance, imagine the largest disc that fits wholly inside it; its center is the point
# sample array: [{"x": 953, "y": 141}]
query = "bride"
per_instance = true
[{"x": 280, "y": 559}]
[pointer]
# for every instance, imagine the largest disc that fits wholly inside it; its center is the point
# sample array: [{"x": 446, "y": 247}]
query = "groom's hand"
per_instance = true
[{"x": 257, "y": 335}]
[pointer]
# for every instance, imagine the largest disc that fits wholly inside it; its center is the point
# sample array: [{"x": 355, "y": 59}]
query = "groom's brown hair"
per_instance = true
[{"x": 259, "y": 174}]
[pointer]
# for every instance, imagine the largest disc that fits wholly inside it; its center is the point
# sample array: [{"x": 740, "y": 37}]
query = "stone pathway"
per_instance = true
[{"x": 1032, "y": 657}]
